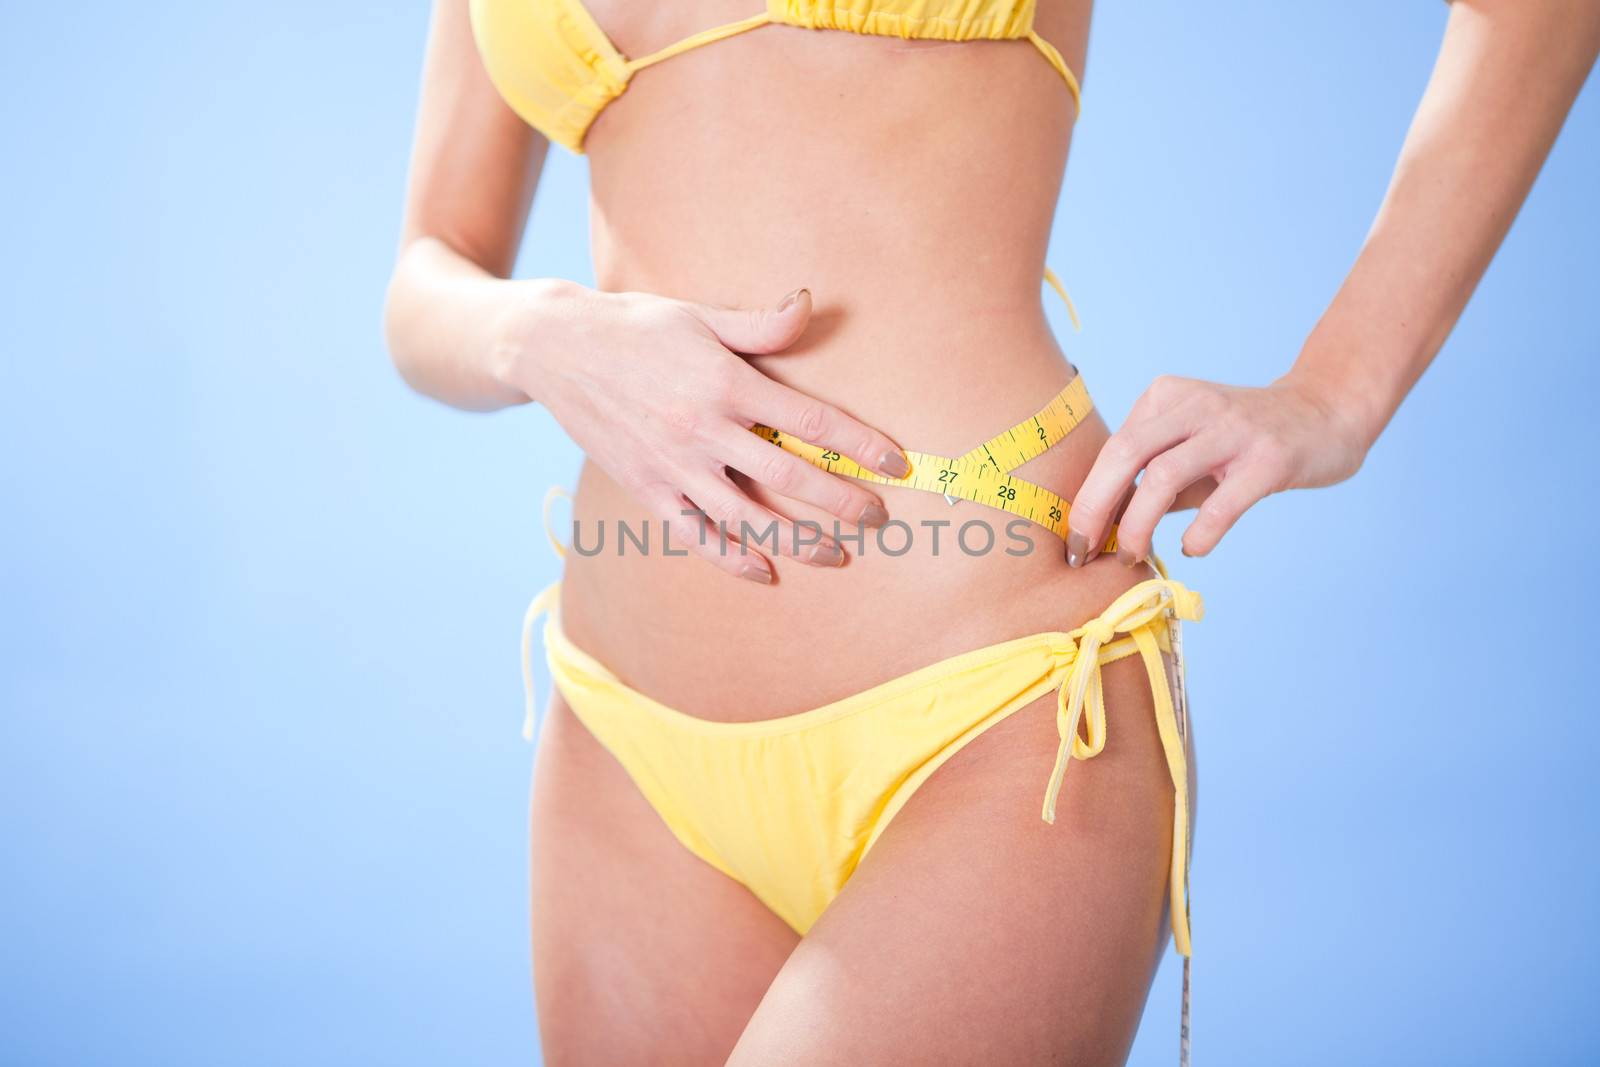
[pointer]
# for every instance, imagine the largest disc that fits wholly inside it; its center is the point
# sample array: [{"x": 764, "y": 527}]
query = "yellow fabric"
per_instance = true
[
  {"x": 557, "y": 69},
  {"x": 789, "y": 806}
]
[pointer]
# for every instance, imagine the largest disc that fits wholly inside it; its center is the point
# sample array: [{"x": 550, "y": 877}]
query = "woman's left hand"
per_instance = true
[{"x": 1218, "y": 447}]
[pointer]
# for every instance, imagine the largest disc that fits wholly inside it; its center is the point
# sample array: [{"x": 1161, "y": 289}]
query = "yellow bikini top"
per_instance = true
[{"x": 557, "y": 69}]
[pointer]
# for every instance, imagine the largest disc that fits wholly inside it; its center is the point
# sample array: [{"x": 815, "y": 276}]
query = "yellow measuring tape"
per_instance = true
[{"x": 982, "y": 475}]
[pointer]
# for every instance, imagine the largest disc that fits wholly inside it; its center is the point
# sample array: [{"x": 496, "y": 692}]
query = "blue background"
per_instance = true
[{"x": 261, "y": 788}]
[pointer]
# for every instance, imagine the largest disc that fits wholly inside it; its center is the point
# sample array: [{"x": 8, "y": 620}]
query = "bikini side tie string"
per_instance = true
[
  {"x": 542, "y": 603},
  {"x": 1082, "y": 690},
  {"x": 1082, "y": 697},
  {"x": 546, "y": 600}
]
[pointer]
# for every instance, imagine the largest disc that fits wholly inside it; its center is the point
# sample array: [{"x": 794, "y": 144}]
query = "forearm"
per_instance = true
[
  {"x": 456, "y": 330},
  {"x": 1507, "y": 74}
]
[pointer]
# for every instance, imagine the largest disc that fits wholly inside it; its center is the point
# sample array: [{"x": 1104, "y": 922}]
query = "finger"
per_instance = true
[
  {"x": 760, "y": 330},
  {"x": 790, "y": 476},
  {"x": 1195, "y": 495},
  {"x": 690, "y": 531},
  {"x": 822, "y": 424},
  {"x": 1164, "y": 478},
  {"x": 738, "y": 517},
  {"x": 1122, "y": 457},
  {"x": 1116, "y": 517},
  {"x": 1239, "y": 490}
]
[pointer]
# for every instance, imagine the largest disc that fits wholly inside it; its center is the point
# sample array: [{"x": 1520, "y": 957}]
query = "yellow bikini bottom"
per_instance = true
[{"x": 788, "y": 807}]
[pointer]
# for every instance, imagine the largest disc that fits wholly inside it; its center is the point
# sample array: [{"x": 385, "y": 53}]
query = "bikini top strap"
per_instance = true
[
  {"x": 1061, "y": 290},
  {"x": 1048, "y": 50},
  {"x": 715, "y": 33},
  {"x": 730, "y": 29}
]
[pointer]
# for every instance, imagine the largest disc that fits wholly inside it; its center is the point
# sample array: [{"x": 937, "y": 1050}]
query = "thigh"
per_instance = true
[
  {"x": 976, "y": 933},
  {"x": 642, "y": 953}
]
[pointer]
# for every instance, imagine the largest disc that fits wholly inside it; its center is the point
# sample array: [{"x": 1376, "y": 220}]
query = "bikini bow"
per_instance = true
[{"x": 1082, "y": 691}]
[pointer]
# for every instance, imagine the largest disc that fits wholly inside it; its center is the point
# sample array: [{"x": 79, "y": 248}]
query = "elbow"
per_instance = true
[
  {"x": 440, "y": 331},
  {"x": 394, "y": 328},
  {"x": 400, "y": 326}
]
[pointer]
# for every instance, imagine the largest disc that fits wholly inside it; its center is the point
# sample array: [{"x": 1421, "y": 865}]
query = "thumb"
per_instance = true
[{"x": 759, "y": 331}]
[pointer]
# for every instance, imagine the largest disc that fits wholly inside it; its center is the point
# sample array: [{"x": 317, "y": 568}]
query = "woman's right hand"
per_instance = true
[{"x": 656, "y": 392}]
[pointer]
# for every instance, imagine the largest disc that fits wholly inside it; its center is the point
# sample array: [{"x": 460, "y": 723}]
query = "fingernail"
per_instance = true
[
  {"x": 893, "y": 464},
  {"x": 1094, "y": 551},
  {"x": 873, "y": 515},
  {"x": 1077, "y": 546},
  {"x": 827, "y": 555},
  {"x": 756, "y": 573},
  {"x": 783, "y": 305},
  {"x": 1126, "y": 557}
]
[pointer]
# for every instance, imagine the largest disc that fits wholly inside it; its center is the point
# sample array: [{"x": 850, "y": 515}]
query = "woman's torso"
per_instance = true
[{"x": 911, "y": 186}]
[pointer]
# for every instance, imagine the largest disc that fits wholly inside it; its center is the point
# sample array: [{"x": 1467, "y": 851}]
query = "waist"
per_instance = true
[{"x": 937, "y": 580}]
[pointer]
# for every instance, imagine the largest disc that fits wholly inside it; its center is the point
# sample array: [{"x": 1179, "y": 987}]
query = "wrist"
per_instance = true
[
  {"x": 1351, "y": 409},
  {"x": 1347, "y": 379},
  {"x": 523, "y": 347}
]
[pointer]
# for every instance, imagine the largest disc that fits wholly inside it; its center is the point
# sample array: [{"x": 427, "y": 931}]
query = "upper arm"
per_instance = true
[{"x": 474, "y": 163}]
